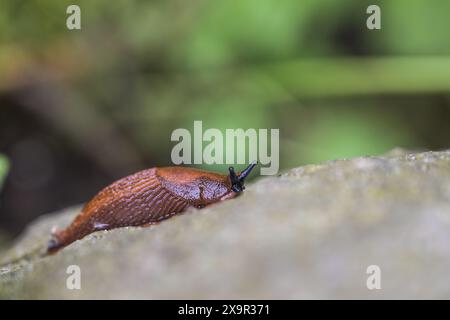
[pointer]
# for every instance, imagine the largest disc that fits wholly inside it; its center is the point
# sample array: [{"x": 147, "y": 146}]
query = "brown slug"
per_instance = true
[{"x": 148, "y": 197}]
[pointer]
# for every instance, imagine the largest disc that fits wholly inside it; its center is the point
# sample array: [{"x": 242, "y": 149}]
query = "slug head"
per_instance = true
[{"x": 237, "y": 180}]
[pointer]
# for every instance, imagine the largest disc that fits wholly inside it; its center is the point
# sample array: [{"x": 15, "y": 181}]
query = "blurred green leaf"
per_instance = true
[
  {"x": 339, "y": 133},
  {"x": 4, "y": 168}
]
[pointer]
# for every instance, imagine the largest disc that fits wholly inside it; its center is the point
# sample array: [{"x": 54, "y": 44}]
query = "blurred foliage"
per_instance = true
[
  {"x": 4, "y": 167},
  {"x": 82, "y": 108}
]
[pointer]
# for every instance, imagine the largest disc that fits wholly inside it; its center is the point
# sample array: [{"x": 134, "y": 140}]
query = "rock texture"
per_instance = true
[{"x": 309, "y": 233}]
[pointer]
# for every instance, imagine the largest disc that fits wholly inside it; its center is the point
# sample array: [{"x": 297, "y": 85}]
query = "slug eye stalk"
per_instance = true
[{"x": 237, "y": 181}]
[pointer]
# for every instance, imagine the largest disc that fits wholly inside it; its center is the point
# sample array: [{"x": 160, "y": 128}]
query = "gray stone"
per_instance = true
[{"x": 309, "y": 233}]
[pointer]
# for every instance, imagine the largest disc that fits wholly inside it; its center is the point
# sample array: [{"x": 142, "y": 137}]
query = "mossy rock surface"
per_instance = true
[{"x": 308, "y": 233}]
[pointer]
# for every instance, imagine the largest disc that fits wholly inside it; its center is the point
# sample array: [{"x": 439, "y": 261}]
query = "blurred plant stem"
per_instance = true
[
  {"x": 347, "y": 76},
  {"x": 321, "y": 77},
  {"x": 357, "y": 76},
  {"x": 4, "y": 167}
]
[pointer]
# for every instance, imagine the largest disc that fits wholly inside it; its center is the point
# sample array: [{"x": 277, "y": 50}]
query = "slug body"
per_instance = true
[{"x": 148, "y": 197}]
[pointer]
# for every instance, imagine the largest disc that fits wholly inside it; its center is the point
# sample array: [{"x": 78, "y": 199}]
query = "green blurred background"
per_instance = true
[{"x": 81, "y": 108}]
